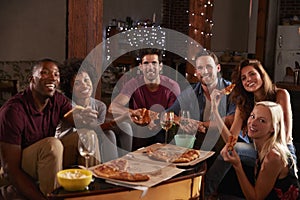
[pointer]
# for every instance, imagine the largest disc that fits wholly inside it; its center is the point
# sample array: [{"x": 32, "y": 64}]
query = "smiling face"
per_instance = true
[
  {"x": 260, "y": 124},
  {"x": 45, "y": 79},
  {"x": 151, "y": 67},
  {"x": 251, "y": 79},
  {"x": 82, "y": 86},
  {"x": 207, "y": 70}
]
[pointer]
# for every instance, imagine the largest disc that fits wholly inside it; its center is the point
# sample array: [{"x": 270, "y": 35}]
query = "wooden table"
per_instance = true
[{"x": 187, "y": 185}]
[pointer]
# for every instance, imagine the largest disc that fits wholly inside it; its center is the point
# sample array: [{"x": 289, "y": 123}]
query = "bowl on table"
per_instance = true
[
  {"x": 74, "y": 179},
  {"x": 185, "y": 140}
]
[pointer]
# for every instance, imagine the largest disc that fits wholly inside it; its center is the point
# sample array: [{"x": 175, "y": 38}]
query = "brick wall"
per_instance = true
[
  {"x": 289, "y": 8},
  {"x": 175, "y": 16}
]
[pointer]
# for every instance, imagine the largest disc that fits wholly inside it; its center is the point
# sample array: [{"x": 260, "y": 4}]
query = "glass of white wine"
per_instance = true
[
  {"x": 166, "y": 122},
  {"x": 86, "y": 145},
  {"x": 184, "y": 119}
]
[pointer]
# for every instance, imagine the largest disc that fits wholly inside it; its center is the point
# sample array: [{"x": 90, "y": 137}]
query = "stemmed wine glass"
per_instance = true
[
  {"x": 184, "y": 119},
  {"x": 166, "y": 122},
  {"x": 86, "y": 145}
]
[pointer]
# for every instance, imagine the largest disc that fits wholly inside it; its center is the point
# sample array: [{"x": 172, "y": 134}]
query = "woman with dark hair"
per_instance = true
[
  {"x": 253, "y": 84},
  {"x": 77, "y": 84}
]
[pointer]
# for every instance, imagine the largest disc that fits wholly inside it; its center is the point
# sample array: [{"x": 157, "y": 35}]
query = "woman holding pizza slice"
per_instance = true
[
  {"x": 275, "y": 171},
  {"x": 253, "y": 84},
  {"x": 78, "y": 84}
]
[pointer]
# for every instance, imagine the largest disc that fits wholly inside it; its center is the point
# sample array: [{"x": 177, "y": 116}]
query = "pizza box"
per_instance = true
[
  {"x": 141, "y": 154},
  {"x": 156, "y": 171}
]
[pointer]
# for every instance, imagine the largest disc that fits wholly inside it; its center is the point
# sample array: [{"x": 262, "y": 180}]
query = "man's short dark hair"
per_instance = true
[
  {"x": 208, "y": 53},
  {"x": 39, "y": 63},
  {"x": 150, "y": 51}
]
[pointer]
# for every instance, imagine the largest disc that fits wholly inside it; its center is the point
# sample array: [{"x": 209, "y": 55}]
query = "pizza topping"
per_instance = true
[
  {"x": 231, "y": 142},
  {"x": 228, "y": 89}
]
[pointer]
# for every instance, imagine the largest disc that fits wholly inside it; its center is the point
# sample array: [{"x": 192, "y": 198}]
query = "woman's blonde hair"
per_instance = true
[{"x": 277, "y": 140}]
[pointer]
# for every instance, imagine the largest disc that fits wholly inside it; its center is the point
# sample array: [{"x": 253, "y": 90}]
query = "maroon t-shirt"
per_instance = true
[
  {"x": 141, "y": 97},
  {"x": 22, "y": 124}
]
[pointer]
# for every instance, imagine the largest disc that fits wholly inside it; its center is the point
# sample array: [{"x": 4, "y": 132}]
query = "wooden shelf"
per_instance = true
[
  {"x": 227, "y": 68},
  {"x": 288, "y": 86}
]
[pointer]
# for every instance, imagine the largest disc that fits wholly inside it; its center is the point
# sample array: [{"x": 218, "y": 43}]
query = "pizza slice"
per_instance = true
[
  {"x": 173, "y": 157},
  {"x": 187, "y": 156},
  {"x": 231, "y": 142},
  {"x": 116, "y": 169},
  {"x": 143, "y": 116},
  {"x": 228, "y": 89},
  {"x": 77, "y": 107},
  {"x": 118, "y": 164}
]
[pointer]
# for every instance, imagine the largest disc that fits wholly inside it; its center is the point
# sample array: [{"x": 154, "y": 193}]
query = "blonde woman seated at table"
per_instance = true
[{"x": 275, "y": 171}]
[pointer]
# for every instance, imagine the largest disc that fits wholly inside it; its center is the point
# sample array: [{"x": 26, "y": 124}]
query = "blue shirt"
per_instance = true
[{"x": 193, "y": 99}]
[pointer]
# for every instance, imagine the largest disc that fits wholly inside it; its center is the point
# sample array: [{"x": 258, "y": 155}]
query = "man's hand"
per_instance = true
[
  {"x": 144, "y": 117},
  {"x": 215, "y": 97},
  {"x": 201, "y": 127}
]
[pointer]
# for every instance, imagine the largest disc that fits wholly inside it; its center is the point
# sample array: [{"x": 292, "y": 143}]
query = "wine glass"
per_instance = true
[
  {"x": 166, "y": 122},
  {"x": 86, "y": 145},
  {"x": 184, "y": 118}
]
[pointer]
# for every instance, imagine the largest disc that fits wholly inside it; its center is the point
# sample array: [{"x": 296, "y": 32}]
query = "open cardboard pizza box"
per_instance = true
[
  {"x": 141, "y": 154},
  {"x": 158, "y": 171}
]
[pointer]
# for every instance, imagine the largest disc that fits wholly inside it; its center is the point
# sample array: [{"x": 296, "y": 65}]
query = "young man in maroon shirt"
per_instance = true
[{"x": 150, "y": 90}]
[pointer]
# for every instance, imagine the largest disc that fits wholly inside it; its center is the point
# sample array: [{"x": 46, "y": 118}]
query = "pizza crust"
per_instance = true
[
  {"x": 228, "y": 89},
  {"x": 77, "y": 107}
]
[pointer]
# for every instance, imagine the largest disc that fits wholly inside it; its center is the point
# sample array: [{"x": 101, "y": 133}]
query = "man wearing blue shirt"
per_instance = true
[{"x": 197, "y": 101}]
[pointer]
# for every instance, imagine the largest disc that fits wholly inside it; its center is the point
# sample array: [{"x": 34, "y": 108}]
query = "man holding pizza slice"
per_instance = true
[
  {"x": 148, "y": 91},
  {"x": 198, "y": 102}
]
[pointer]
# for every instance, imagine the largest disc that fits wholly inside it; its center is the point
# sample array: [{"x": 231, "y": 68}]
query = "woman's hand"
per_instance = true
[
  {"x": 231, "y": 156},
  {"x": 85, "y": 116}
]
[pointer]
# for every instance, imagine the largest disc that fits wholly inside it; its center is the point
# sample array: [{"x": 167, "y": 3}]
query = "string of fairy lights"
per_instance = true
[
  {"x": 201, "y": 14},
  {"x": 153, "y": 35},
  {"x": 200, "y": 24},
  {"x": 135, "y": 37}
]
